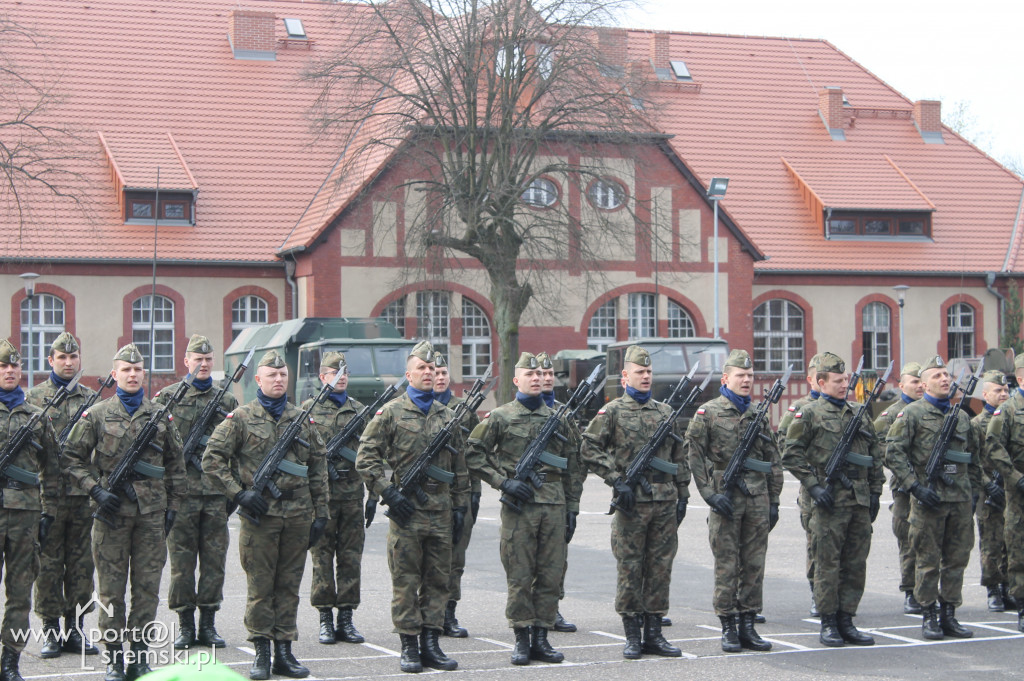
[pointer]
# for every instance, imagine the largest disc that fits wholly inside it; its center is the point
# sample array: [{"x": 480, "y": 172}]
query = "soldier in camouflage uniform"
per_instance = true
[
  {"x": 911, "y": 389},
  {"x": 338, "y": 557},
  {"x": 272, "y": 550},
  {"x": 135, "y": 542},
  {"x": 21, "y": 525},
  {"x": 644, "y": 539},
  {"x": 992, "y": 500},
  {"x": 841, "y": 518},
  {"x": 421, "y": 533},
  {"x": 65, "y": 581},
  {"x": 941, "y": 526},
  {"x": 738, "y": 527},
  {"x": 200, "y": 532},
  {"x": 532, "y": 540}
]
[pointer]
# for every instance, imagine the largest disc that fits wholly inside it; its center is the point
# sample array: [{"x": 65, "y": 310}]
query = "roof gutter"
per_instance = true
[
  {"x": 871, "y": 273},
  {"x": 144, "y": 261},
  {"x": 1013, "y": 235}
]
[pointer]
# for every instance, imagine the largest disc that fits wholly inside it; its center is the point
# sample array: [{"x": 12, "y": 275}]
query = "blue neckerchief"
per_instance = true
[
  {"x": 131, "y": 401},
  {"x": 445, "y": 397},
  {"x": 1021, "y": 391},
  {"x": 989, "y": 408},
  {"x": 814, "y": 394},
  {"x": 549, "y": 398},
  {"x": 642, "y": 397},
  {"x": 907, "y": 399},
  {"x": 12, "y": 398},
  {"x": 338, "y": 398},
  {"x": 202, "y": 384},
  {"x": 57, "y": 380},
  {"x": 421, "y": 398},
  {"x": 834, "y": 400},
  {"x": 275, "y": 407},
  {"x": 531, "y": 402},
  {"x": 741, "y": 403},
  {"x": 943, "y": 405}
]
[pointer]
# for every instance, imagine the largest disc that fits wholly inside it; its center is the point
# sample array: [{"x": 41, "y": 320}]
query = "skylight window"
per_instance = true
[
  {"x": 295, "y": 28},
  {"x": 680, "y": 70}
]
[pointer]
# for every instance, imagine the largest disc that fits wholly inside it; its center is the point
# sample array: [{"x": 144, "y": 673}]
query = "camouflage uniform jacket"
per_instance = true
[
  {"x": 329, "y": 419},
  {"x": 104, "y": 434},
  {"x": 576, "y": 446},
  {"x": 712, "y": 437},
  {"x": 980, "y": 423},
  {"x": 882, "y": 425},
  {"x": 185, "y": 412},
  {"x": 469, "y": 423},
  {"x": 17, "y": 495},
  {"x": 813, "y": 436},
  {"x": 787, "y": 418},
  {"x": 620, "y": 429},
  {"x": 241, "y": 442},
  {"x": 396, "y": 436},
  {"x": 59, "y": 417},
  {"x": 909, "y": 445},
  {"x": 496, "y": 445},
  {"x": 1004, "y": 440}
]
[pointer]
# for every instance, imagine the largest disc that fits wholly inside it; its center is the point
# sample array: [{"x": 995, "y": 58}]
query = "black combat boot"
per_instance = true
[
  {"x": 730, "y": 637},
  {"x": 451, "y": 623},
  {"x": 140, "y": 662},
  {"x": 540, "y": 649},
  {"x": 521, "y": 651},
  {"x": 186, "y": 629},
  {"x": 431, "y": 654},
  {"x": 345, "y": 630},
  {"x": 75, "y": 638},
  {"x": 285, "y": 663},
  {"x": 654, "y": 642},
  {"x": 759, "y": 618},
  {"x": 830, "y": 632},
  {"x": 995, "y": 599},
  {"x": 410, "y": 654},
  {"x": 327, "y": 635},
  {"x": 910, "y": 605},
  {"x": 207, "y": 634},
  {"x": 1009, "y": 602},
  {"x": 850, "y": 633},
  {"x": 9, "y": 665},
  {"x": 633, "y": 649},
  {"x": 563, "y": 625},
  {"x": 666, "y": 622},
  {"x": 947, "y": 620},
  {"x": 749, "y": 638},
  {"x": 115, "y": 663},
  {"x": 1020, "y": 620},
  {"x": 260, "y": 669},
  {"x": 51, "y": 641},
  {"x": 930, "y": 628}
]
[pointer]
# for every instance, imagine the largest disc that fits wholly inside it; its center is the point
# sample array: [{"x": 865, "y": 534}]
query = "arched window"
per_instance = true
[
  {"x": 159, "y": 317},
  {"x": 680, "y": 323},
  {"x": 46, "y": 317},
  {"x": 960, "y": 330},
  {"x": 876, "y": 335},
  {"x": 433, "y": 321},
  {"x": 606, "y": 194},
  {"x": 643, "y": 316},
  {"x": 778, "y": 336},
  {"x": 394, "y": 312},
  {"x": 247, "y": 311},
  {"x": 476, "y": 340},
  {"x": 601, "y": 332}
]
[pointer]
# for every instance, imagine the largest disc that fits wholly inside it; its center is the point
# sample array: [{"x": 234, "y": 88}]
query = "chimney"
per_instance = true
[
  {"x": 928, "y": 115},
  {"x": 830, "y": 104},
  {"x": 612, "y": 47},
  {"x": 659, "y": 50},
  {"x": 252, "y": 34}
]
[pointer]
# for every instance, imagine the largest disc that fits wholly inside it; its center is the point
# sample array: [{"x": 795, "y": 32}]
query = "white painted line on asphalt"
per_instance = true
[
  {"x": 895, "y": 637},
  {"x": 380, "y": 649},
  {"x": 1013, "y": 631},
  {"x": 247, "y": 650},
  {"x": 702, "y": 626},
  {"x": 794, "y": 646},
  {"x": 609, "y": 635},
  {"x": 500, "y": 644}
]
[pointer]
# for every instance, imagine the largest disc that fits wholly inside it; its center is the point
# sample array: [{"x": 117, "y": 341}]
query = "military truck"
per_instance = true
[
  {"x": 571, "y": 367},
  {"x": 374, "y": 351}
]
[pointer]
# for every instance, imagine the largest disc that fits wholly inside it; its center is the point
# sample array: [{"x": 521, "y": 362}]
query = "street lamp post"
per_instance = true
[
  {"x": 901, "y": 294},
  {"x": 30, "y": 291},
  {"x": 716, "y": 192}
]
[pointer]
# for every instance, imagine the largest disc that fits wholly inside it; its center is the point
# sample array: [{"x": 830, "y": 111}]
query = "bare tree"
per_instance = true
[{"x": 491, "y": 97}]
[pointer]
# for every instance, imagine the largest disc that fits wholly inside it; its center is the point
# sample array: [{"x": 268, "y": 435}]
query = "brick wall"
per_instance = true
[{"x": 252, "y": 30}]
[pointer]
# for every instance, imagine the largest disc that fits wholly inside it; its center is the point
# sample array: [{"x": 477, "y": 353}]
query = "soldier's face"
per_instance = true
[
  {"x": 128, "y": 375},
  {"x": 328, "y": 376},
  {"x": 638, "y": 377},
  {"x": 10, "y": 375},
  {"x": 65, "y": 364},
  {"x": 528, "y": 381},
  {"x": 199, "y": 364},
  {"x": 547, "y": 380},
  {"x": 834, "y": 385},
  {"x": 738, "y": 380},
  {"x": 442, "y": 379},
  {"x": 911, "y": 386},
  {"x": 273, "y": 382},
  {"x": 995, "y": 394},
  {"x": 420, "y": 374},
  {"x": 936, "y": 382}
]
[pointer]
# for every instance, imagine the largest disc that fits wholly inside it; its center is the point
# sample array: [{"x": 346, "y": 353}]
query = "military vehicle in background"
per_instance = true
[{"x": 571, "y": 367}]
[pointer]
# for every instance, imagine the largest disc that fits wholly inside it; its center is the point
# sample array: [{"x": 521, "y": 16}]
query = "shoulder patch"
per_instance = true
[
  {"x": 311, "y": 420},
  {"x": 487, "y": 415},
  {"x": 379, "y": 412},
  {"x": 602, "y": 411},
  {"x": 230, "y": 415},
  {"x": 899, "y": 415},
  {"x": 792, "y": 407},
  {"x": 798, "y": 415},
  {"x": 84, "y": 414},
  {"x": 885, "y": 413},
  {"x": 170, "y": 417},
  {"x": 158, "y": 393},
  {"x": 701, "y": 411},
  {"x": 997, "y": 412}
]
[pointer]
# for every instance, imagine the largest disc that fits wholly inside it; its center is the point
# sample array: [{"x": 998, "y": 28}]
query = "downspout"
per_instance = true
[
  {"x": 990, "y": 279},
  {"x": 289, "y": 275}
]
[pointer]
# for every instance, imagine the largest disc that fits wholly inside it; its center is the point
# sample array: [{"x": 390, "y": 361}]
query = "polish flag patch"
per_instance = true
[
  {"x": 997, "y": 412},
  {"x": 311, "y": 420},
  {"x": 701, "y": 411},
  {"x": 379, "y": 412},
  {"x": 792, "y": 407},
  {"x": 798, "y": 415},
  {"x": 600, "y": 411},
  {"x": 170, "y": 417},
  {"x": 487, "y": 415},
  {"x": 230, "y": 416},
  {"x": 900, "y": 415},
  {"x": 885, "y": 413}
]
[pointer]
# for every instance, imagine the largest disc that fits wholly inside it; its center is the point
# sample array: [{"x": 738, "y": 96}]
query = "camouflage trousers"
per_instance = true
[
  {"x": 991, "y": 543},
  {"x": 134, "y": 547},
  {"x": 532, "y": 550},
  {"x": 739, "y": 546},
  {"x": 942, "y": 540},
  {"x": 338, "y": 556},
  {"x": 644, "y": 547},
  {"x": 199, "y": 535},
  {"x": 65, "y": 562},
  {"x": 900, "y": 508},
  {"x": 842, "y": 540},
  {"x": 806, "y": 505},
  {"x": 19, "y": 533},
  {"x": 1014, "y": 534},
  {"x": 273, "y": 555},
  {"x": 459, "y": 560},
  {"x": 420, "y": 560}
]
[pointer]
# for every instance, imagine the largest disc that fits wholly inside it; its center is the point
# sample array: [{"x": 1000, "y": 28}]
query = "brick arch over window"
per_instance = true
[
  {"x": 671, "y": 294},
  {"x": 980, "y": 346},
  {"x": 700, "y": 327},
  {"x": 180, "y": 340},
  {"x": 41, "y": 288},
  {"x": 410, "y": 322},
  {"x": 810, "y": 345},
  {"x": 237, "y": 293},
  {"x": 857, "y": 346}
]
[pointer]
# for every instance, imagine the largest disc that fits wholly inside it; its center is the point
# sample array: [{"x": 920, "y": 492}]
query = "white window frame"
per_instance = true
[
  {"x": 876, "y": 335},
  {"x": 960, "y": 321},
  {"x": 434, "y": 319},
  {"x": 606, "y": 194},
  {"x": 394, "y": 312},
  {"x": 776, "y": 345},
  {"x": 248, "y": 311},
  {"x": 163, "y": 352},
  {"x": 602, "y": 327},
  {"x": 476, "y": 340},
  {"x": 643, "y": 315},
  {"x": 47, "y": 314},
  {"x": 542, "y": 193},
  {"x": 680, "y": 322}
]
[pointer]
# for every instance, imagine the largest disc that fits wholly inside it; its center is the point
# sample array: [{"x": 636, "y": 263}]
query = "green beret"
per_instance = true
[
  {"x": 994, "y": 376},
  {"x": 129, "y": 353},
  {"x": 527, "y": 361},
  {"x": 831, "y": 363},
  {"x": 9, "y": 353},
  {"x": 544, "y": 360},
  {"x": 332, "y": 360},
  {"x": 813, "y": 364},
  {"x": 423, "y": 350},
  {"x": 273, "y": 360},
  {"x": 65, "y": 342},
  {"x": 911, "y": 369},
  {"x": 637, "y": 355},
  {"x": 1018, "y": 362},
  {"x": 740, "y": 359},
  {"x": 200, "y": 344},
  {"x": 439, "y": 360},
  {"x": 935, "y": 362}
]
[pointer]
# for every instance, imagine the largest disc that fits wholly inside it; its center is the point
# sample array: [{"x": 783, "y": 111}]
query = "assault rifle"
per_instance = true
[
  {"x": 536, "y": 452},
  {"x": 645, "y": 459},
  {"x": 337, "y": 447},
  {"x": 934, "y": 471},
  {"x": 854, "y": 379},
  {"x": 23, "y": 436},
  {"x": 733, "y": 475},
  {"x": 130, "y": 464},
  {"x": 275, "y": 462},
  {"x": 197, "y": 438},
  {"x": 411, "y": 483},
  {"x": 63, "y": 437},
  {"x": 841, "y": 453}
]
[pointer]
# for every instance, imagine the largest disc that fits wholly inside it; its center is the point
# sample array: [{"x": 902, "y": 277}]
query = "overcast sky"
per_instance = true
[{"x": 953, "y": 51}]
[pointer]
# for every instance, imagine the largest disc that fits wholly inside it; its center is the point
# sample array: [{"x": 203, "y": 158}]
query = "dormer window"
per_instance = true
[
  {"x": 895, "y": 225},
  {"x": 176, "y": 208}
]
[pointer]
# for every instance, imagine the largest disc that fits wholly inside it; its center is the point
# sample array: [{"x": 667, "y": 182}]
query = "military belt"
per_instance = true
[
  {"x": 660, "y": 477},
  {"x": 549, "y": 476},
  {"x": 14, "y": 484},
  {"x": 288, "y": 495}
]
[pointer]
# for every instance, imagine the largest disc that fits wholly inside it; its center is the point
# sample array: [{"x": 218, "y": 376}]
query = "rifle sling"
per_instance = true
[
  {"x": 21, "y": 476},
  {"x": 957, "y": 457},
  {"x": 292, "y": 468},
  {"x": 440, "y": 474},
  {"x": 664, "y": 466},
  {"x": 148, "y": 470},
  {"x": 550, "y": 459},
  {"x": 861, "y": 460}
]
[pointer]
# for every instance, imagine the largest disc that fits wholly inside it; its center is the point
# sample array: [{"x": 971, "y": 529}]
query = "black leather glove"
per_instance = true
[
  {"x": 169, "y": 517},
  {"x": 570, "y": 525},
  {"x": 316, "y": 531},
  {"x": 45, "y": 523},
  {"x": 109, "y": 502},
  {"x": 995, "y": 494},
  {"x": 474, "y": 504},
  {"x": 822, "y": 497},
  {"x": 721, "y": 504},
  {"x": 874, "y": 506},
  {"x": 624, "y": 496},
  {"x": 252, "y": 502},
  {"x": 370, "y": 510},
  {"x": 458, "y": 523},
  {"x": 773, "y": 516},
  {"x": 523, "y": 491},
  {"x": 680, "y": 511},
  {"x": 925, "y": 495},
  {"x": 400, "y": 507}
]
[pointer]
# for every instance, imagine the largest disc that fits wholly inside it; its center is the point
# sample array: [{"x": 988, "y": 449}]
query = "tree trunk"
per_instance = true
[{"x": 509, "y": 299}]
